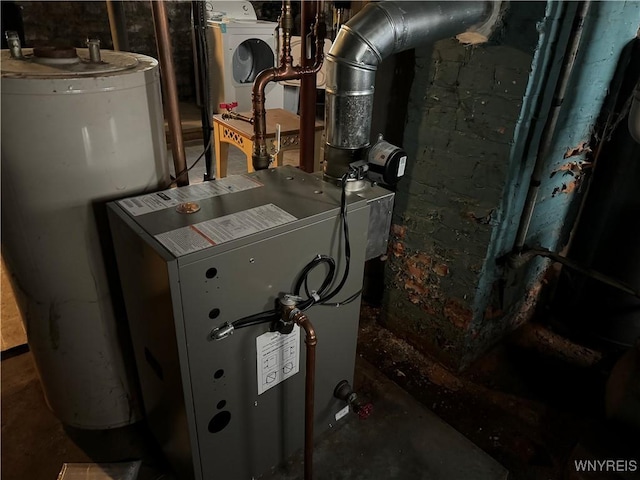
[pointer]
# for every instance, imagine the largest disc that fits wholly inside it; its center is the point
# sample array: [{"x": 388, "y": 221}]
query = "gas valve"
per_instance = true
[
  {"x": 344, "y": 392},
  {"x": 229, "y": 106}
]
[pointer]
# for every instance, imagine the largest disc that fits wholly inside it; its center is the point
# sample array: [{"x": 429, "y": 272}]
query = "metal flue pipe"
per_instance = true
[
  {"x": 376, "y": 32},
  {"x": 170, "y": 89},
  {"x": 286, "y": 71}
]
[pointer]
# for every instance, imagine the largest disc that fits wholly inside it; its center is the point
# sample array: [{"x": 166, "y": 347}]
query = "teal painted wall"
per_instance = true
[{"x": 474, "y": 123}]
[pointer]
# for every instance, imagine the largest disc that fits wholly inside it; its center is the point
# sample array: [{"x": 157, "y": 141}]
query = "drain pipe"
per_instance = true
[
  {"x": 376, "y": 32},
  {"x": 170, "y": 89},
  {"x": 549, "y": 129},
  {"x": 290, "y": 315},
  {"x": 286, "y": 71}
]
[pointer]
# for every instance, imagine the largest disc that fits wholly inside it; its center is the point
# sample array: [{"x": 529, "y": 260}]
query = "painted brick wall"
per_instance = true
[
  {"x": 464, "y": 105},
  {"x": 474, "y": 120},
  {"x": 609, "y": 27},
  {"x": 71, "y": 22}
]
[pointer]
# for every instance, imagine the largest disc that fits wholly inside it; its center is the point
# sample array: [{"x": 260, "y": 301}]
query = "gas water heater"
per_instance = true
[
  {"x": 79, "y": 127},
  {"x": 229, "y": 403}
]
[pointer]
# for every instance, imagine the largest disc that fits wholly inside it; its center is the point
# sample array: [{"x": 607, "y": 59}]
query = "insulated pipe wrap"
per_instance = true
[{"x": 376, "y": 32}]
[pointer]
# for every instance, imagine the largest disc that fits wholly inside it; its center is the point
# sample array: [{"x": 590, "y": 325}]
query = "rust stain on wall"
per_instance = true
[
  {"x": 458, "y": 313},
  {"x": 441, "y": 270},
  {"x": 398, "y": 231}
]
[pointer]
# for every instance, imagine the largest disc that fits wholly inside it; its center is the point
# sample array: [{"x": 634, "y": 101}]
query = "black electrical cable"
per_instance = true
[
  {"x": 257, "y": 319},
  {"x": 344, "y": 302},
  {"x": 320, "y": 297},
  {"x": 347, "y": 245},
  {"x": 195, "y": 162}
]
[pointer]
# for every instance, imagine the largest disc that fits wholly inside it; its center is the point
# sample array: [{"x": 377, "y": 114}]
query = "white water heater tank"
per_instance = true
[{"x": 76, "y": 132}]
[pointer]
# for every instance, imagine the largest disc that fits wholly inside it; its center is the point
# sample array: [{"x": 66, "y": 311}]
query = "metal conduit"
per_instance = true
[{"x": 376, "y": 32}]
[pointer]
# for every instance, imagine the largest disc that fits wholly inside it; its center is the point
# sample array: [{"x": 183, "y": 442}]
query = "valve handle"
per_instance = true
[
  {"x": 229, "y": 106},
  {"x": 363, "y": 411}
]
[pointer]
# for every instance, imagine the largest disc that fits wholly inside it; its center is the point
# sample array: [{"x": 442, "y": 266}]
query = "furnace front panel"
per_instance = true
[{"x": 202, "y": 397}]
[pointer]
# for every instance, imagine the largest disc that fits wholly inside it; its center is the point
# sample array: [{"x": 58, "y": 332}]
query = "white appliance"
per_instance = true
[
  {"x": 239, "y": 47},
  {"x": 75, "y": 134}
]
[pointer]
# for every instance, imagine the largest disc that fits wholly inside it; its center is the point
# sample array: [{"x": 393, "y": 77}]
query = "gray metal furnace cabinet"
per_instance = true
[{"x": 209, "y": 403}]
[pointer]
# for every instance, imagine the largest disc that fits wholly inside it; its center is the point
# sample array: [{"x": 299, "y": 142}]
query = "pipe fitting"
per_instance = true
[
  {"x": 261, "y": 159},
  {"x": 286, "y": 21},
  {"x": 13, "y": 41},
  {"x": 93, "y": 44},
  {"x": 286, "y": 71}
]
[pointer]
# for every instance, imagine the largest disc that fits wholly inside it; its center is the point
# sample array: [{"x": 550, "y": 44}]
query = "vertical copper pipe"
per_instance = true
[
  {"x": 118, "y": 25},
  {"x": 286, "y": 71},
  {"x": 170, "y": 88},
  {"x": 309, "y": 389},
  {"x": 307, "y": 87}
]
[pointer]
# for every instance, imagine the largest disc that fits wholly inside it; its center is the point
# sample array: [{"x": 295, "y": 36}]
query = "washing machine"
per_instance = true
[{"x": 239, "y": 47}]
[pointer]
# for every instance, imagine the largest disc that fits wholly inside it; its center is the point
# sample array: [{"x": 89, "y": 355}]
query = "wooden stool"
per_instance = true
[{"x": 240, "y": 134}]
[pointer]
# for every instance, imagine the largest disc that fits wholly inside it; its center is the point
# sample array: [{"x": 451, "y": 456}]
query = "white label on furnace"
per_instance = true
[
  {"x": 278, "y": 358},
  {"x": 342, "y": 413},
  {"x": 401, "y": 165},
  {"x": 173, "y": 197},
  {"x": 223, "y": 229}
]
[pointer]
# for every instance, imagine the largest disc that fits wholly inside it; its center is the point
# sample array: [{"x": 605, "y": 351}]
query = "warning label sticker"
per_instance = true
[
  {"x": 278, "y": 358},
  {"x": 175, "y": 196},
  {"x": 223, "y": 229}
]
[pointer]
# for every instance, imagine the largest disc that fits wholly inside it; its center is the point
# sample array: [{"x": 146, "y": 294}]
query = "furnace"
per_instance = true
[{"x": 229, "y": 403}]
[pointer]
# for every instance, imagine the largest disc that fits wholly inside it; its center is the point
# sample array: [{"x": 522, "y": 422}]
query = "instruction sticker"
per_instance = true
[
  {"x": 342, "y": 413},
  {"x": 278, "y": 358},
  {"x": 223, "y": 229},
  {"x": 173, "y": 197},
  {"x": 402, "y": 165}
]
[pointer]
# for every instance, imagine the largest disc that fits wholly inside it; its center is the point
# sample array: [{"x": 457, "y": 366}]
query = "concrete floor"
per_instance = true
[{"x": 400, "y": 440}]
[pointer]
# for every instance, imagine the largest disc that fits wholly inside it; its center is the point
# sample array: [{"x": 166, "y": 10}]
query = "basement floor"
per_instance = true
[{"x": 401, "y": 439}]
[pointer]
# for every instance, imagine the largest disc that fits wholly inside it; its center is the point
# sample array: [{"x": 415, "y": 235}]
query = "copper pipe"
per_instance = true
[
  {"x": 310, "y": 379},
  {"x": 286, "y": 71},
  {"x": 118, "y": 25},
  {"x": 307, "y": 88},
  {"x": 170, "y": 88}
]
